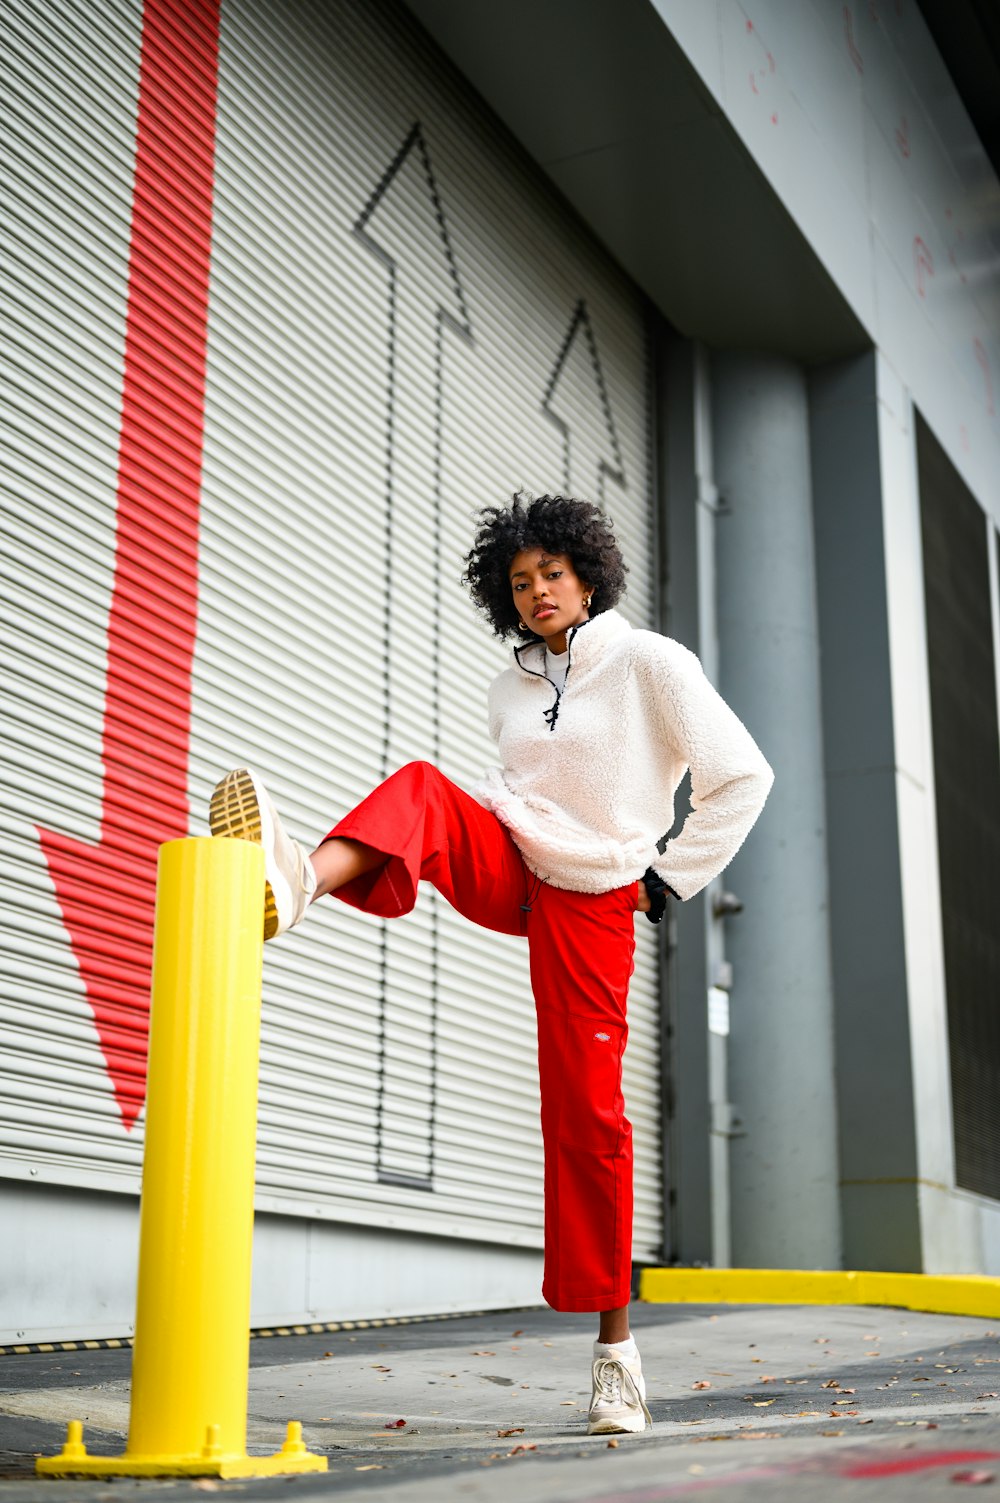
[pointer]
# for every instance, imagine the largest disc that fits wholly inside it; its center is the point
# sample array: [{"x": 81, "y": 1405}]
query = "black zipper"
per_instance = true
[{"x": 552, "y": 714}]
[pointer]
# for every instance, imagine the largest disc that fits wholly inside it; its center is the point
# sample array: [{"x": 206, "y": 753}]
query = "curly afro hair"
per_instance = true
[{"x": 560, "y": 525}]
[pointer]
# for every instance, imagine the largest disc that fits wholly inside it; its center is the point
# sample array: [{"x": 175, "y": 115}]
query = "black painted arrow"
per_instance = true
[
  {"x": 403, "y": 225},
  {"x": 576, "y": 401}
]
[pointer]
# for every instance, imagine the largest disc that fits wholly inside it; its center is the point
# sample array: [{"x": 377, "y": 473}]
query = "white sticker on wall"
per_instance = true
[{"x": 718, "y": 1010}]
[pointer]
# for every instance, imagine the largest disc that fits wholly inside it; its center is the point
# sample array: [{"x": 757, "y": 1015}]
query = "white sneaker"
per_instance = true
[
  {"x": 618, "y": 1405},
  {"x": 242, "y": 809}
]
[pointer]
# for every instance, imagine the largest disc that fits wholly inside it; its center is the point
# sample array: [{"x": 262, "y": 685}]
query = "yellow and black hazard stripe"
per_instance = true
[
  {"x": 313, "y": 1328},
  {"x": 321, "y": 1327},
  {"x": 27, "y": 1348}
]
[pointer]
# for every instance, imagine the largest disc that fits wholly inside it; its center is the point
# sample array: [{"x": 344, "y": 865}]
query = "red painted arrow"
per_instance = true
[{"x": 106, "y": 891}]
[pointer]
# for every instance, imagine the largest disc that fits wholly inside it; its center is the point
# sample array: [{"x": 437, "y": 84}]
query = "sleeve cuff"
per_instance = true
[{"x": 657, "y": 888}]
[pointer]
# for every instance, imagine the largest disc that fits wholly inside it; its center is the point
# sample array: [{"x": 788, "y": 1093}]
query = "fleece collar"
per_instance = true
[{"x": 585, "y": 642}]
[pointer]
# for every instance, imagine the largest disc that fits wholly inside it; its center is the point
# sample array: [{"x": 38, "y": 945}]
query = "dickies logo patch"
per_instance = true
[{"x": 602, "y": 1038}]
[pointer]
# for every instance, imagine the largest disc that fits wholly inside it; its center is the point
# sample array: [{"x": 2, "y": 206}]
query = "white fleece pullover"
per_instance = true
[{"x": 589, "y": 776}]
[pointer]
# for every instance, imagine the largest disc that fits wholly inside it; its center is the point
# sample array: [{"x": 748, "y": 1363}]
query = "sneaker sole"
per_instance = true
[
  {"x": 235, "y": 813},
  {"x": 610, "y": 1426}
]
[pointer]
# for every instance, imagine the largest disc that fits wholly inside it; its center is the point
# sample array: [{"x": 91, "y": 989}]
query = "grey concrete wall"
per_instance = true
[
  {"x": 851, "y": 115},
  {"x": 303, "y": 1270}
]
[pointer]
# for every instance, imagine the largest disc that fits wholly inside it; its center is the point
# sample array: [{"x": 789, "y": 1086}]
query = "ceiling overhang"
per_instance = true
[{"x": 603, "y": 99}]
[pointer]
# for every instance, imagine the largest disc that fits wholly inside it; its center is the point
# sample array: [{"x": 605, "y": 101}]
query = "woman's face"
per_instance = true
[{"x": 548, "y": 594}]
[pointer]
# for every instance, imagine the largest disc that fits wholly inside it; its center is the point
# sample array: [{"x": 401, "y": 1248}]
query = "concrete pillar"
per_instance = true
[
  {"x": 697, "y": 1156},
  {"x": 784, "y": 1172},
  {"x": 879, "y": 785}
]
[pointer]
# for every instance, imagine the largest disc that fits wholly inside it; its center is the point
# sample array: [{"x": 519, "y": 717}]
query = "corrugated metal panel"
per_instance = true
[
  {"x": 66, "y": 192},
  {"x": 81, "y": 200},
  {"x": 405, "y": 323},
  {"x": 447, "y": 332}
]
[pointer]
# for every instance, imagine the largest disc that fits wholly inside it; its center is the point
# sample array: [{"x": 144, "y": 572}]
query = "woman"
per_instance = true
[{"x": 596, "y": 725}]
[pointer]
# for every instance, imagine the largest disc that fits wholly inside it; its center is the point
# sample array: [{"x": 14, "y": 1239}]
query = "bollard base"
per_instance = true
[
  {"x": 178, "y": 1466},
  {"x": 74, "y": 1461}
]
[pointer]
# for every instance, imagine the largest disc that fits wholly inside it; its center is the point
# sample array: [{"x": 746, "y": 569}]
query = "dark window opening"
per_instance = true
[{"x": 967, "y": 791}]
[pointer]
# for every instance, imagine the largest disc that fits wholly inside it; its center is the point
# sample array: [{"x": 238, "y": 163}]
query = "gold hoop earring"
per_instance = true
[{"x": 586, "y": 601}]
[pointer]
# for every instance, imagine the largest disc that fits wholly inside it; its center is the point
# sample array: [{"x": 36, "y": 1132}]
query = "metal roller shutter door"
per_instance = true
[
  {"x": 405, "y": 323},
  {"x": 67, "y": 178}
]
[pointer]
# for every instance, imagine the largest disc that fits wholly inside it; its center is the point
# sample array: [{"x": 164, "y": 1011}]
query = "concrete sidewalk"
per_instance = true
[{"x": 804, "y": 1401}]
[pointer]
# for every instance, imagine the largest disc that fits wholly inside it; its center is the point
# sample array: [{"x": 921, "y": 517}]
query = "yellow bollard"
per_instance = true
[{"x": 190, "y": 1369}]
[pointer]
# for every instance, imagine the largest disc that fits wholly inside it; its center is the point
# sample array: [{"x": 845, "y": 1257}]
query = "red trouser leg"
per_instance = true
[
  {"x": 581, "y": 948},
  {"x": 430, "y": 828}
]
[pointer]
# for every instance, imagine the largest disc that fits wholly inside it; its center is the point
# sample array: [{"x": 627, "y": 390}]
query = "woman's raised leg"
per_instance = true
[
  {"x": 415, "y": 825},
  {"x": 423, "y": 827},
  {"x": 339, "y": 861}
]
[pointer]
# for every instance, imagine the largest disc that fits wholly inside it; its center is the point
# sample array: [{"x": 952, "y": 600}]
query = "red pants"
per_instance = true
[{"x": 580, "y": 948}]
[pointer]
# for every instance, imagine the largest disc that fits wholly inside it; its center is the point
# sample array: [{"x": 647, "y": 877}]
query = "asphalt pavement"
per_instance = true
[{"x": 802, "y": 1402}]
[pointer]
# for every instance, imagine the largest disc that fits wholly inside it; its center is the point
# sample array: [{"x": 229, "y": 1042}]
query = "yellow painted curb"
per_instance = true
[{"x": 944, "y": 1294}]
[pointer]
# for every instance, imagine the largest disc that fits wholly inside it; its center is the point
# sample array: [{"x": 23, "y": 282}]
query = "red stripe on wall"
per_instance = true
[{"x": 106, "y": 890}]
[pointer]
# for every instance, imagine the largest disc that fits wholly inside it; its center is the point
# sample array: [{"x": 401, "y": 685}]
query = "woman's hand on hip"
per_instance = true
[{"x": 644, "y": 904}]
